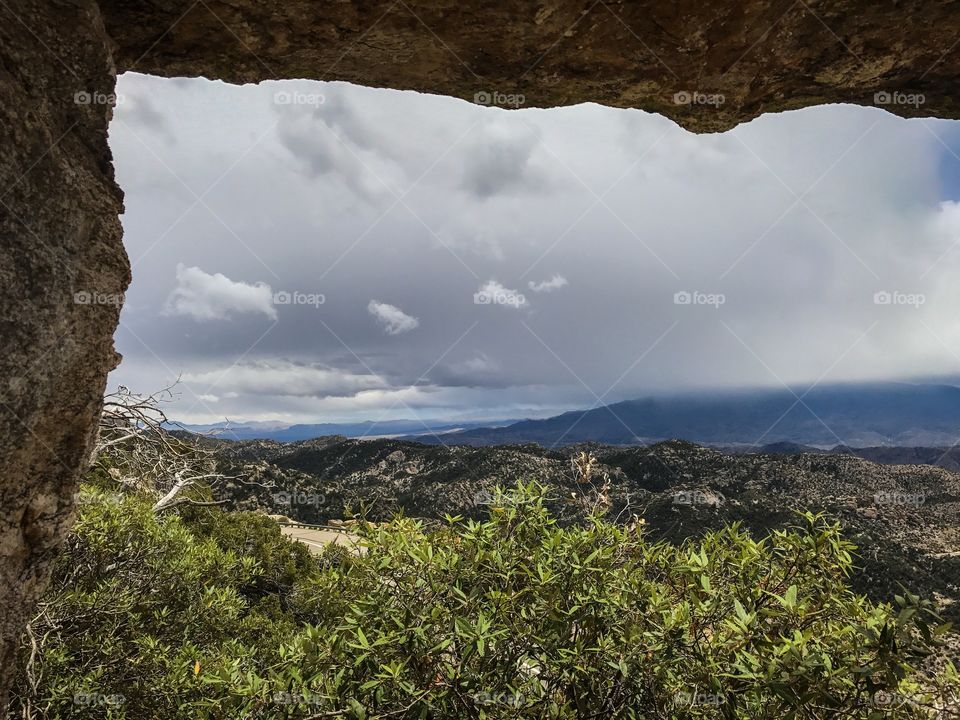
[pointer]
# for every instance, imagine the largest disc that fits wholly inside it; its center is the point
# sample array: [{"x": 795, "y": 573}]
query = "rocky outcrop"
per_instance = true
[
  {"x": 708, "y": 65},
  {"x": 62, "y": 274}
]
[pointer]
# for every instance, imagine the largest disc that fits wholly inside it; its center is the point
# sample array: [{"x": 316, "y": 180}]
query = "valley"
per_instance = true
[{"x": 905, "y": 518}]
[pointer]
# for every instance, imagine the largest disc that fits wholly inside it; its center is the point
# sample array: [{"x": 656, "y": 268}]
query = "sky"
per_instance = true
[{"x": 322, "y": 252}]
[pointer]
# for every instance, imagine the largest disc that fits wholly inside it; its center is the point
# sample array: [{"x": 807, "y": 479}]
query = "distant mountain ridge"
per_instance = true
[
  {"x": 282, "y": 432},
  {"x": 899, "y": 415},
  {"x": 862, "y": 415}
]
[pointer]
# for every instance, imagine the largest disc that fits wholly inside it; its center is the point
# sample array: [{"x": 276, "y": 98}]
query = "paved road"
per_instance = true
[{"x": 316, "y": 539}]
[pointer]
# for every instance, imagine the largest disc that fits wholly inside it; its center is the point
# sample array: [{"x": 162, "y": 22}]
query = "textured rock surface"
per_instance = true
[
  {"x": 761, "y": 55},
  {"x": 59, "y": 204},
  {"x": 60, "y": 235}
]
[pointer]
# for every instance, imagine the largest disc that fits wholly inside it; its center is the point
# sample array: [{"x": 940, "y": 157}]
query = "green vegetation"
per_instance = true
[{"x": 200, "y": 613}]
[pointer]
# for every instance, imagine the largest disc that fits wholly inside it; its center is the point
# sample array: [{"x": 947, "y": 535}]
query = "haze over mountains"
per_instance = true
[
  {"x": 860, "y": 415},
  {"x": 282, "y": 432}
]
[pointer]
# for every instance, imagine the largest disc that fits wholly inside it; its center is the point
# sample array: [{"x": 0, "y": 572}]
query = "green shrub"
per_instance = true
[
  {"x": 135, "y": 603},
  {"x": 280, "y": 563},
  {"x": 514, "y": 617}
]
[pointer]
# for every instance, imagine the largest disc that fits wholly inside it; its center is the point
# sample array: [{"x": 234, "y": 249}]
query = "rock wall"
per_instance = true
[
  {"x": 708, "y": 65},
  {"x": 59, "y": 237},
  {"x": 759, "y": 55}
]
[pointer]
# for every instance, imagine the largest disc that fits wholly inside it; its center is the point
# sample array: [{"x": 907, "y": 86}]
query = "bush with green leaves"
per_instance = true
[
  {"x": 215, "y": 615},
  {"x": 140, "y": 603}
]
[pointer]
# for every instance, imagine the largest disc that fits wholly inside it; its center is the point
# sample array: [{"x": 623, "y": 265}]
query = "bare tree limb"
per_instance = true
[{"x": 138, "y": 448}]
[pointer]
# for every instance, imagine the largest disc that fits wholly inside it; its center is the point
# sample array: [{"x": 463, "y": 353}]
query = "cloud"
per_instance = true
[
  {"x": 208, "y": 398},
  {"x": 554, "y": 283},
  {"x": 394, "y": 320},
  {"x": 202, "y": 296},
  {"x": 479, "y": 370},
  {"x": 513, "y": 196},
  {"x": 333, "y": 139},
  {"x": 137, "y": 110},
  {"x": 499, "y": 162},
  {"x": 284, "y": 378},
  {"x": 494, "y": 293}
]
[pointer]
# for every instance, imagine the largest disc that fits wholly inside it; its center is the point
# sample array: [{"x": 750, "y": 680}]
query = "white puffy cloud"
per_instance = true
[
  {"x": 394, "y": 320},
  {"x": 554, "y": 283},
  {"x": 202, "y": 296}
]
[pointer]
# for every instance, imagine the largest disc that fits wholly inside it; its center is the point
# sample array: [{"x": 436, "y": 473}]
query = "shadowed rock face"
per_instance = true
[
  {"x": 59, "y": 235},
  {"x": 760, "y": 55},
  {"x": 63, "y": 269}
]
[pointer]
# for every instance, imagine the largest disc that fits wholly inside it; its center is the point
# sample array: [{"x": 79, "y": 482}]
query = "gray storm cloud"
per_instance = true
[
  {"x": 499, "y": 162},
  {"x": 647, "y": 258}
]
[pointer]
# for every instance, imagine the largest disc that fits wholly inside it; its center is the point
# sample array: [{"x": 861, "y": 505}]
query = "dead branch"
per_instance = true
[{"x": 138, "y": 449}]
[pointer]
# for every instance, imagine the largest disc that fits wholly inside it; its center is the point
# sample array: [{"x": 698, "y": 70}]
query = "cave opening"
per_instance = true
[{"x": 66, "y": 269}]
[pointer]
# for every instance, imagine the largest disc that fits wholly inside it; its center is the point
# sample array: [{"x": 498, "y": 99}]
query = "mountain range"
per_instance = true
[
  {"x": 858, "y": 415},
  {"x": 282, "y": 432},
  {"x": 861, "y": 415}
]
